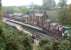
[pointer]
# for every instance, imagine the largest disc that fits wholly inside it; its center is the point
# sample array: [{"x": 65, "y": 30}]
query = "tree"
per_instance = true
[
  {"x": 14, "y": 9},
  {"x": 45, "y": 44},
  {"x": 62, "y": 3},
  {"x": 68, "y": 21},
  {"x": 64, "y": 45},
  {"x": 24, "y": 10},
  {"x": 62, "y": 11},
  {"x": 0, "y": 10},
  {"x": 16, "y": 40},
  {"x": 49, "y": 4}
]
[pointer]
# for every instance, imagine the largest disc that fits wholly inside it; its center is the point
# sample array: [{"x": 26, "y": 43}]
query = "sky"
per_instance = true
[{"x": 24, "y": 2}]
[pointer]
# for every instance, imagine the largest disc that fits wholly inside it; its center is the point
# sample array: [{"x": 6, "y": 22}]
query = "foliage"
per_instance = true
[
  {"x": 62, "y": 3},
  {"x": 14, "y": 9},
  {"x": 60, "y": 45},
  {"x": 62, "y": 11},
  {"x": 0, "y": 10},
  {"x": 24, "y": 9},
  {"x": 12, "y": 39},
  {"x": 68, "y": 21},
  {"x": 49, "y": 4},
  {"x": 64, "y": 44},
  {"x": 45, "y": 44},
  {"x": 65, "y": 16}
]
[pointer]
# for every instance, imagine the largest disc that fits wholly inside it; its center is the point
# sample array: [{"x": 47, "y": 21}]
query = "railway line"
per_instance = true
[{"x": 38, "y": 32}]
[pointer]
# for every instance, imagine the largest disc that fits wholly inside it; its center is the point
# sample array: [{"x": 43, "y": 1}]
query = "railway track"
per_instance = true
[{"x": 34, "y": 30}]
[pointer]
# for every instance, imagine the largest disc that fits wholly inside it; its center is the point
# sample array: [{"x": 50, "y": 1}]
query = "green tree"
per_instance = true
[
  {"x": 16, "y": 40},
  {"x": 64, "y": 45},
  {"x": 14, "y": 9},
  {"x": 0, "y": 10},
  {"x": 68, "y": 21},
  {"x": 62, "y": 11},
  {"x": 49, "y": 4},
  {"x": 24, "y": 10},
  {"x": 45, "y": 44},
  {"x": 0, "y": 4}
]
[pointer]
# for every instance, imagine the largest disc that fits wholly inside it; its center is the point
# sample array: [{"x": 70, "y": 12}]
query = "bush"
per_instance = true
[
  {"x": 12, "y": 39},
  {"x": 64, "y": 45},
  {"x": 58, "y": 45},
  {"x": 45, "y": 44}
]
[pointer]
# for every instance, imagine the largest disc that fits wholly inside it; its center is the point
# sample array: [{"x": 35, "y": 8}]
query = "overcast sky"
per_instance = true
[{"x": 24, "y": 2}]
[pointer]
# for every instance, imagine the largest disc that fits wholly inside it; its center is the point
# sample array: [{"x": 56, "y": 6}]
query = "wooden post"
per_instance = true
[{"x": 36, "y": 43}]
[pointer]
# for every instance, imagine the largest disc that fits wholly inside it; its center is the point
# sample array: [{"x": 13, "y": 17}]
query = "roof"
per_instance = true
[
  {"x": 38, "y": 14},
  {"x": 54, "y": 24}
]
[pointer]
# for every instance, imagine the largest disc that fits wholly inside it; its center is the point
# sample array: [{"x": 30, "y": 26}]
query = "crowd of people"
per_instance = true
[{"x": 55, "y": 29}]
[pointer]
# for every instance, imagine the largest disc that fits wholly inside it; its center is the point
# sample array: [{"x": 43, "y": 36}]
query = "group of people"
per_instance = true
[{"x": 55, "y": 29}]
